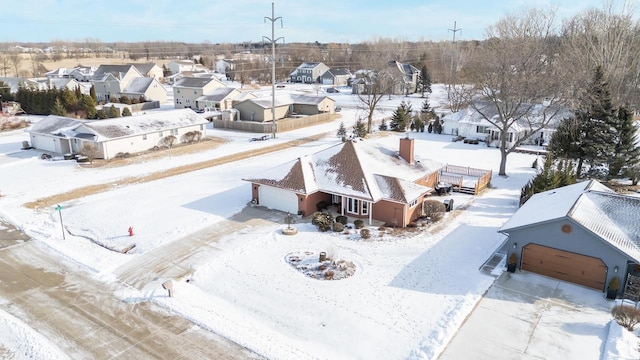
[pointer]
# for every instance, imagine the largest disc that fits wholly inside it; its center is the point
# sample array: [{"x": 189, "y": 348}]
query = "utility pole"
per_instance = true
[
  {"x": 453, "y": 52},
  {"x": 273, "y": 41}
]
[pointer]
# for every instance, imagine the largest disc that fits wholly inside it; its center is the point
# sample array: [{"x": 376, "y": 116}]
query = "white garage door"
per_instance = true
[
  {"x": 43, "y": 143},
  {"x": 275, "y": 198}
]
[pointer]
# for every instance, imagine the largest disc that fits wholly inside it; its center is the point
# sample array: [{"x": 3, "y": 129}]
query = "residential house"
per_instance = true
[
  {"x": 361, "y": 179},
  {"x": 147, "y": 88},
  {"x": 64, "y": 83},
  {"x": 113, "y": 137},
  {"x": 405, "y": 78},
  {"x": 583, "y": 233},
  {"x": 79, "y": 73},
  {"x": 219, "y": 99},
  {"x": 150, "y": 70},
  {"x": 15, "y": 83},
  {"x": 179, "y": 66},
  {"x": 224, "y": 65},
  {"x": 469, "y": 123},
  {"x": 187, "y": 90},
  {"x": 109, "y": 80},
  {"x": 336, "y": 77},
  {"x": 287, "y": 105},
  {"x": 363, "y": 82},
  {"x": 308, "y": 72}
]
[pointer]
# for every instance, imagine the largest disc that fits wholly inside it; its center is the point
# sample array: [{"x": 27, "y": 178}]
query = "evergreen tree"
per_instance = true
[
  {"x": 437, "y": 125},
  {"x": 625, "y": 150},
  {"x": 126, "y": 112},
  {"x": 417, "y": 123},
  {"x": 342, "y": 131},
  {"x": 114, "y": 112},
  {"x": 360, "y": 129},
  {"x": 424, "y": 80},
  {"x": 383, "y": 125},
  {"x": 401, "y": 117},
  {"x": 597, "y": 121},
  {"x": 549, "y": 177},
  {"x": 88, "y": 105},
  {"x": 58, "y": 109},
  {"x": 92, "y": 93}
]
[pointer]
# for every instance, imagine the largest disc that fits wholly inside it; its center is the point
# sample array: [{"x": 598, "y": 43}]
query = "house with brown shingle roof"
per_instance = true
[{"x": 361, "y": 178}]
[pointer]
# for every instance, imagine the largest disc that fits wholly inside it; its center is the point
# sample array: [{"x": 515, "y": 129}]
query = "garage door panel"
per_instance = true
[
  {"x": 564, "y": 265},
  {"x": 279, "y": 199}
]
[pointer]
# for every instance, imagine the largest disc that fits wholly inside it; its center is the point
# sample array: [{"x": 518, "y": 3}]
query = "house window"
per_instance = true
[
  {"x": 365, "y": 208},
  {"x": 160, "y": 134},
  {"x": 174, "y": 131},
  {"x": 335, "y": 199},
  {"x": 144, "y": 136},
  {"x": 352, "y": 206},
  {"x": 413, "y": 203},
  {"x": 201, "y": 126},
  {"x": 482, "y": 129},
  {"x": 178, "y": 91},
  {"x": 195, "y": 92}
]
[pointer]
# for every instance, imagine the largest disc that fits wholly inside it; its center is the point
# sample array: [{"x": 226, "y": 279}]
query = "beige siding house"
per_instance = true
[
  {"x": 187, "y": 90},
  {"x": 259, "y": 109},
  {"x": 109, "y": 80},
  {"x": 148, "y": 88},
  {"x": 116, "y": 136}
]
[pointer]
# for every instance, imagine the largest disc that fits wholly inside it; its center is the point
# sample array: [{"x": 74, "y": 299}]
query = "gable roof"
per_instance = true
[
  {"x": 138, "y": 85},
  {"x": 288, "y": 99},
  {"x": 110, "y": 129},
  {"x": 613, "y": 217},
  {"x": 144, "y": 68},
  {"x": 196, "y": 82},
  {"x": 357, "y": 168},
  {"x": 118, "y": 71},
  {"x": 219, "y": 94}
]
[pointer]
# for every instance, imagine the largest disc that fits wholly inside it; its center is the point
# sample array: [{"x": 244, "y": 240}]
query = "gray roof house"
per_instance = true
[
  {"x": 150, "y": 70},
  {"x": 308, "y": 72},
  {"x": 131, "y": 134},
  {"x": 286, "y": 105},
  {"x": 336, "y": 77},
  {"x": 583, "y": 233}
]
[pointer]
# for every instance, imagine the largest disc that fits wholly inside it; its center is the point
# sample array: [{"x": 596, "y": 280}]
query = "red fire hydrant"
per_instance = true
[{"x": 130, "y": 231}]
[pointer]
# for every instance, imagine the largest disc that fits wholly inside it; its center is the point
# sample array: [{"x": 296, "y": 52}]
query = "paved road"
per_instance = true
[{"x": 83, "y": 317}]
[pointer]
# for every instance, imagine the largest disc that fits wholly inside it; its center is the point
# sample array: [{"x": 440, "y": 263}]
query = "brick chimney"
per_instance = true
[{"x": 406, "y": 149}]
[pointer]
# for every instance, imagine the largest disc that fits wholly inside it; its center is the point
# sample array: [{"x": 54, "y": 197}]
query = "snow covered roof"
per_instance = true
[
  {"x": 288, "y": 99},
  {"x": 538, "y": 113},
  {"x": 118, "y": 71},
  {"x": 195, "y": 82},
  {"x": 138, "y": 85},
  {"x": 613, "y": 217},
  {"x": 218, "y": 94},
  {"x": 143, "y": 124},
  {"x": 109, "y": 129},
  {"x": 355, "y": 168}
]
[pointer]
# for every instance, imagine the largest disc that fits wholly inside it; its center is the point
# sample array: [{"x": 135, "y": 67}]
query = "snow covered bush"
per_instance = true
[
  {"x": 627, "y": 316},
  {"x": 338, "y": 227},
  {"x": 434, "y": 210},
  {"x": 365, "y": 233},
  {"x": 324, "y": 221},
  {"x": 358, "y": 224}
]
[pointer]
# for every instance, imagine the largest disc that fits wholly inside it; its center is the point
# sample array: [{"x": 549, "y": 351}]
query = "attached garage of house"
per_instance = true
[
  {"x": 278, "y": 199},
  {"x": 564, "y": 265}
]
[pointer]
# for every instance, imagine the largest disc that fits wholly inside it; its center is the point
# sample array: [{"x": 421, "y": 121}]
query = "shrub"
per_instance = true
[
  {"x": 434, "y": 210},
  {"x": 323, "y": 221},
  {"x": 338, "y": 226},
  {"x": 614, "y": 284},
  {"x": 342, "y": 219},
  {"x": 358, "y": 224},
  {"x": 513, "y": 259},
  {"x": 627, "y": 316},
  {"x": 329, "y": 275},
  {"x": 365, "y": 233}
]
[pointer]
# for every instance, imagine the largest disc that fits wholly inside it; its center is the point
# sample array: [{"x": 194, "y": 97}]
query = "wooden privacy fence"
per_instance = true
[{"x": 285, "y": 124}]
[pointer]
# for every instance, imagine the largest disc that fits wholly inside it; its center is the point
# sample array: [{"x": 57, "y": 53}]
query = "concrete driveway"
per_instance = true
[{"x": 529, "y": 316}]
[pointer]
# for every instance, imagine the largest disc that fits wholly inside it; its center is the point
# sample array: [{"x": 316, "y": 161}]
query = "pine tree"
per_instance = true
[
  {"x": 549, "y": 177},
  {"x": 437, "y": 125},
  {"x": 92, "y": 93},
  {"x": 417, "y": 123},
  {"x": 383, "y": 125},
  {"x": 58, "y": 109},
  {"x": 401, "y": 117},
  {"x": 88, "y": 105},
  {"x": 342, "y": 131},
  {"x": 625, "y": 150},
  {"x": 424, "y": 80},
  {"x": 114, "y": 112},
  {"x": 360, "y": 129}
]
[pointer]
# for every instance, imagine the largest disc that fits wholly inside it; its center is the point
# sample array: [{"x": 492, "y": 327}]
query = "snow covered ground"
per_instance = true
[{"x": 408, "y": 297}]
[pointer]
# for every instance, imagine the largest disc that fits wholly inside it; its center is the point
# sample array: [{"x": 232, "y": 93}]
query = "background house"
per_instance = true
[
  {"x": 179, "y": 66},
  {"x": 188, "y": 90},
  {"x": 336, "y": 77},
  {"x": 286, "y": 105},
  {"x": 583, "y": 233},
  {"x": 308, "y": 72},
  {"x": 131, "y": 134},
  {"x": 150, "y": 70},
  {"x": 109, "y": 80}
]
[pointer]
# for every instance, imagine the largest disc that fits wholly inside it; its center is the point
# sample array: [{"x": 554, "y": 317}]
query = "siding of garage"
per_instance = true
[
  {"x": 278, "y": 199},
  {"x": 578, "y": 241}
]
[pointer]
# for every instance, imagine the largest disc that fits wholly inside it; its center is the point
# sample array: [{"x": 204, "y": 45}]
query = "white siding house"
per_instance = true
[{"x": 116, "y": 136}]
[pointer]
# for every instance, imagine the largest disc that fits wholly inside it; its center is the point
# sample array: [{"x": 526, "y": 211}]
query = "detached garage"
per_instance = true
[{"x": 583, "y": 233}]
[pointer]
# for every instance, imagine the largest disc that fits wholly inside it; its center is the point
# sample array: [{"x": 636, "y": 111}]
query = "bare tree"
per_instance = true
[
  {"x": 603, "y": 38},
  {"x": 517, "y": 81},
  {"x": 376, "y": 84},
  {"x": 15, "y": 58},
  {"x": 91, "y": 151}
]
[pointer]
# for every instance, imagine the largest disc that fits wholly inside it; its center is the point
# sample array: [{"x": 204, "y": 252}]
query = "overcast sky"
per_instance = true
[{"x": 217, "y": 21}]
